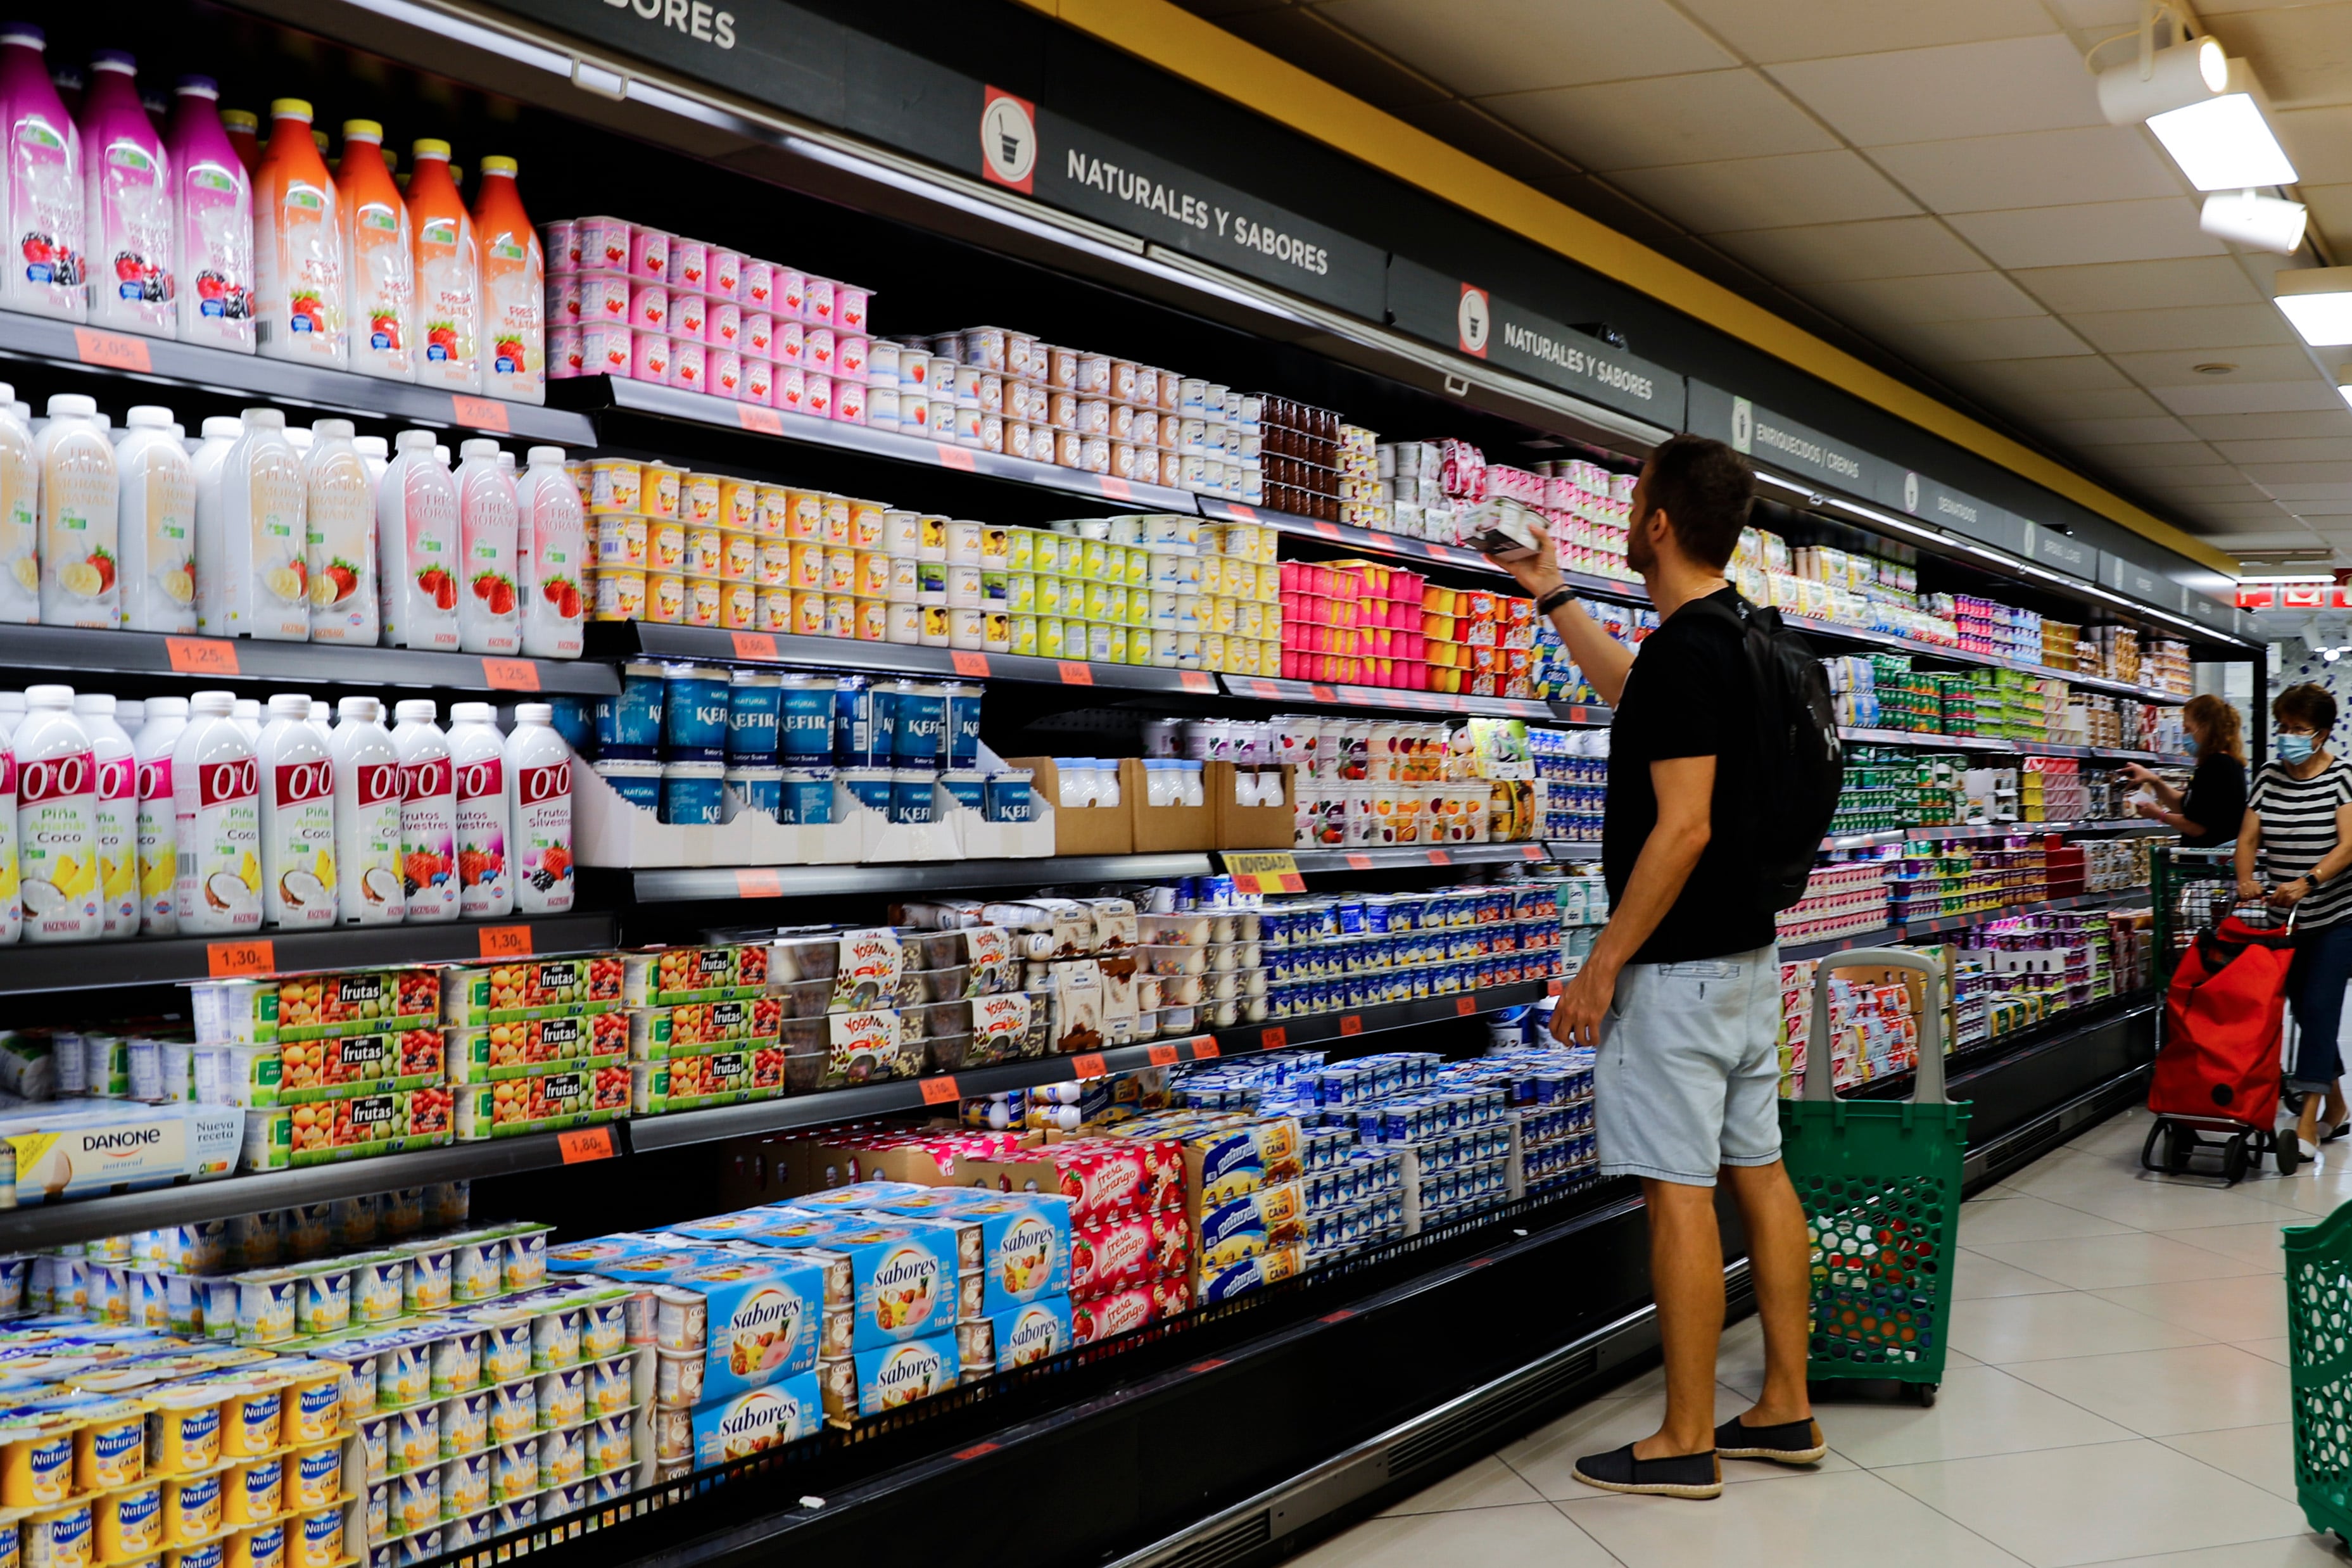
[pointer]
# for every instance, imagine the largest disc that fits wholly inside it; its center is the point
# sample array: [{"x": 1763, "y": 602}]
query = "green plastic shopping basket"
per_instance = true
[
  {"x": 2319, "y": 1367},
  {"x": 1880, "y": 1182}
]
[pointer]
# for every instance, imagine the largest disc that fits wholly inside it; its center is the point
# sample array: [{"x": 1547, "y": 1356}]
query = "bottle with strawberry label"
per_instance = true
[
  {"x": 539, "y": 807},
  {"x": 216, "y": 820},
  {"x": 302, "y": 288},
  {"x": 12, "y": 904},
  {"x": 156, "y": 523},
  {"x": 449, "y": 273},
  {"x": 416, "y": 547},
  {"x": 428, "y": 814},
  {"x": 489, "y": 614},
  {"x": 298, "y": 818},
  {"x": 20, "y": 517},
  {"x": 551, "y": 553},
  {"x": 367, "y": 815},
  {"x": 264, "y": 533},
  {"x": 114, "y": 818},
  {"x": 212, "y": 226},
  {"x": 514, "y": 290},
  {"x": 339, "y": 555},
  {"x": 485, "y": 889},
  {"x": 127, "y": 204},
  {"x": 42, "y": 179},
  {"x": 80, "y": 508},
  {"x": 380, "y": 253},
  {"x": 159, "y": 902}
]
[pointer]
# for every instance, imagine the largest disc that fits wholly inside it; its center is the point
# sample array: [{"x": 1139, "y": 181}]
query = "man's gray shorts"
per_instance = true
[{"x": 1688, "y": 1075}]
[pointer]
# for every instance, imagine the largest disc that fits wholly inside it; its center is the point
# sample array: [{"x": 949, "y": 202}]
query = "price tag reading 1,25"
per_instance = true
[
  {"x": 510, "y": 674},
  {"x": 969, "y": 663},
  {"x": 940, "y": 1090},
  {"x": 201, "y": 655},
  {"x": 230, "y": 960}
]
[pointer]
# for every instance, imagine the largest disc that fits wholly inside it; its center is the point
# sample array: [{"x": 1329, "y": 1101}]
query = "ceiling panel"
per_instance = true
[
  {"x": 2144, "y": 230},
  {"x": 2320, "y": 141},
  {"x": 2257, "y": 427},
  {"x": 1769, "y": 33},
  {"x": 1666, "y": 120},
  {"x": 2187, "y": 327},
  {"x": 2251, "y": 398},
  {"x": 2084, "y": 373},
  {"x": 1979, "y": 90},
  {"x": 2014, "y": 337},
  {"x": 2297, "y": 496},
  {"x": 1887, "y": 248},
  {"x": 2311, "y": 450},
  {"x": 2173, "y": 462},
  {"x": 2177, "y": 367},
  {"x": 2139, "y": 285},
  {"x": 1551, "y": 45},
  {"x": 2271, "y": 474},
  {"x": 2303, "y": 53},
  {"x": 1787, "y": 192},
  {"x": 1943, "y": 297},
  {"x": 2097, "y": 432},
  {"x": 2037, "y": 169}
]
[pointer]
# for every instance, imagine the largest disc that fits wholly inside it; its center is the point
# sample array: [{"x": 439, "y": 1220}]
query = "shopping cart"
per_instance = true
[
  {"x": 2193, "y": 889},
  {"x": 2215, "y": 1089},
  {"x": 2319, "y": 1367},
  {"x": 1880, "y": 1182}
]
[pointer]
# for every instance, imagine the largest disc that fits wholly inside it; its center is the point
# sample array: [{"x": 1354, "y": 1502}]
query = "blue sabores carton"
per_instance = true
[
  {"x": 1020, "y": 1240},
  {"x": 887, "y": 1376},
  {"x": 903, "y": 1278},
  {"x": 753, "y": 1321},
  {"x": 1033, "y": 1331},
  {"x": 756, "y": 1419}
]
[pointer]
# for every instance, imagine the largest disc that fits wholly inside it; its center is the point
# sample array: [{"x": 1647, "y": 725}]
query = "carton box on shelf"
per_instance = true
[
  {"x": 332, "y": 1130},
  {"x": 579, "y": 1094},
  {"x": 1250, "y": 827},
  {"x": 1080, "y": 830},
  {"x": 518, "y": 990},
  {"x": 1160, "y": 830}
]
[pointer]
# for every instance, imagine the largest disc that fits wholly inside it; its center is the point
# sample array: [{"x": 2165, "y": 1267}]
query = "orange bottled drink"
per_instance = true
[
  {"x": 448, "y": 274},
  {"x": 379, "y": 255},
  {"x": 514, "y": 290},
  {"x": 300, "y": 288}
]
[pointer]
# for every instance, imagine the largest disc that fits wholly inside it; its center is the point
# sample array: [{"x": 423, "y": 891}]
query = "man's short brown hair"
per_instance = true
[{"x": 1705, "y": 488}]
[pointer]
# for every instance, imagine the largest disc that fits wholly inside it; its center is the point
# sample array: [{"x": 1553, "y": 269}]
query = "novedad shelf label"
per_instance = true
[{"x": 1263, "y": 871}]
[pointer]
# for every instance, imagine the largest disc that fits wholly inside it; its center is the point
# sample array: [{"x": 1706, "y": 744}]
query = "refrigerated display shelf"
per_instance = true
[
  {"x": 631, "y": 639},
  {"x": 678, "y": 884},
  {"x": 601, "y": 393},
  {"x": 25, "y": 969},
  {"x": 1882, "y": 836},
  {"x": 166, "y": 363},
  {"x": 1410, "y": 857},
  {"x": 1829, "y": 631},
  {"x": 1932, "y": 741},
  {"x": 80, "y": 651},
  {"x": 1939, "y": 925},
  {"x": 1324, "y": 694}
]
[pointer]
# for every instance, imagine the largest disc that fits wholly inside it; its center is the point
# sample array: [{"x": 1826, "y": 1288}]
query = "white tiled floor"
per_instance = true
[{"x": 2115, "y": 1393}]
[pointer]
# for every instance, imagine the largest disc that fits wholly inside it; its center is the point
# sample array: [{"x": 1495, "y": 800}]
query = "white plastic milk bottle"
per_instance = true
[
  {"x": 159, "y": 869},
  {"x": 298, "y": 818},
  {"x": 478, "y": 759},
  {"x": 115, "y": 820},
  {"x": 367, "y": 813},
  {"x": 419, "y": 576},
  {"x": 216, "y": 820},
  {"x": 263, "y": 533},
  {"x": 207, "y": 464},
  {"x": 428, "y": 814},
  {"x": 57, "y": 820},
  {"x": 339, "y": 508},
  {"x": 20, "y": 518},
  {"x": 489, "y": 617},
  {"x": 157, "y": 523},
  {"x": 550, "y": 550},
  {"x": 81, "y": 548},
  {"x": 539, "y": 792}
]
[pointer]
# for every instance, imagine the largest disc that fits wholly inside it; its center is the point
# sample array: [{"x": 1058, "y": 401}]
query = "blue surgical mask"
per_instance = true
[{"x": 2297, "y": 748}]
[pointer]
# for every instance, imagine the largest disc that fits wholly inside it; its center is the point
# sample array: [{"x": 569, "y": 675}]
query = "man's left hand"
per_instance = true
[{"x": 1583, "y": 1002}]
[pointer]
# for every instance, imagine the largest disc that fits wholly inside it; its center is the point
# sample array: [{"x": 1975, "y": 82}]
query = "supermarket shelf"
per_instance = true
[
  {"x": 85, "y": 651},
  {"x": 626, "y": 639},
  {"x": 600, "y": 394},
  {"x": 1914, "y": 931},
  {"x": 1406, "y": 856},
  {"x": 686, "y": 883},
  {"x": 1418, "y": 552},
  {"x": 1322, "y": 695},
  {"x": 1928, "y": 740},
  {"x": 93, "y": 965},
  {"x": 1880, "y": 838},
  {"x": 221, "y": 371},
  {"x": 1829, "y": 631}
]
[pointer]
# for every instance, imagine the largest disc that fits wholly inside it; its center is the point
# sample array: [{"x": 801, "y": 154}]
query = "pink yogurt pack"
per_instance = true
[
  {"x": 791, "y": 294},
  {"x": 649, "y": 307},
  {"x": 566, "y": 353},
  {"x": 791, "y": 389},
  {"x": 689, "y": 264},
  {"x": 690, "y": 314},
  {"x": 759, "y": 382},
  {"x": 603, "y": 244},
  {"x": 649, "y": 254},
  {"x": 724, "y": 329},
  {"x": 726, "y": 272},
  {"x": 688, "y": 365},
  {"x": 759, "y": 337},
  {"x": 849, "y": 357},
  {"x": 849, "y": 401},
  {"x": 817, "y": 396},
  {"x": 602, "y": 296},
  {"x": 649, "y": 358},
  {"x": 724, "y": 369},
  {"x": 849, "y": 307},
  {"x": 560, "y": 241},
  {"x": 791, "y": 342},
  {"x": 608, "y": 348},
  {"x": 757, "y": 291},
  {"x": 816, "y": 304}
]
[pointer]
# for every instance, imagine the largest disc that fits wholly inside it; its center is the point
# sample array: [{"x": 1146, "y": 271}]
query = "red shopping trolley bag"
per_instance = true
[{"x": 2223, "y": 1023}]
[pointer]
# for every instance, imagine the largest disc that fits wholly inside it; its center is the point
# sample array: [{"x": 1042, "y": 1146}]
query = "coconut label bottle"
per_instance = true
[
  {"x": 297, "y": 243},
  {"x": 382, "y": 257},
  {"x": 298, "y": 818},
  {"x": 127, "y": 207},
  {"x": 448, "y": 274},
  {"x": 45, "y": 270},
  {"x": 212, "y": 236}
]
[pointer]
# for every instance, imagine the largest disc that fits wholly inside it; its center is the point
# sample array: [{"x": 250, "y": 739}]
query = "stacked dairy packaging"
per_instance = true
[
  {"x": 254, "y": 529},
  {"x": 183, "y": 816}
]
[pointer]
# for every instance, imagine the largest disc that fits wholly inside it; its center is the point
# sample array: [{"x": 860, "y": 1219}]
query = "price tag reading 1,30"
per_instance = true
[
  {"x": 505, "y": 942},
  {"x": 581, "y": 1144},
  {"x": 1265, "y": 871},
  {"x": 1089, "y": 1066},
  {"x": 940, "y": 1090},
  {"x": 228, "y": 959}
]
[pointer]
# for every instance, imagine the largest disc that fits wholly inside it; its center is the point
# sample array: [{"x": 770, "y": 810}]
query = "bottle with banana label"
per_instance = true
[
  {"x": 80, "y": 503},
  {"x": 157, "y": 522},
  {"x": 263, "y": 533}
]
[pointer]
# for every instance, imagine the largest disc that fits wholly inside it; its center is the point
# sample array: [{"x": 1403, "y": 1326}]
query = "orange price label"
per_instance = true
[
  {"x": 583, "y": 1143},
  {"x": 1241, "y": 513},
  {"x": 1465, "y": 1006},
  {"x": 510, "y": 674},
  {"x": 1351, "y": 1023},
  {"x": 1196, "y": 680},
  {"x": 1075, "y": 672},
  {"x": 1204, "y": 1047},
  {"x": 1360, "y": 862},
  {"x": 1325, "y": 693},
  {"x": 955, "y": 457},
  {"x": 1551, "y": 987},
  {"x": 228, "y": 959},
  {"x": 1089, "y": 1066},
  {"x": 1273, "y": 1037},
  {"x": 755, "y": 644},
  {"x": 505, "y": 942},
  {"x": 968, "y": 662},
  {"x": 758, "y": 882},
  {"x": 1266, "y": 690},
  {"x": 1116, "y": 488},
  {"x": 975, "y": 1451},
  {"x": 481, "y": 413},
  {"x": 1162, "y": 1056},
  {"x": 1531, "y": 852},
  {"x": 1327, "y": 530},
  {"x": 201, "y": 655},
  {"x": 759, "y": 421},
  {"x": 111, "y": 349},
  {"x": 940, "y": 1090},
  {"x": 1439, "y": 857},
  {"x": 1341, "y": 1316}
]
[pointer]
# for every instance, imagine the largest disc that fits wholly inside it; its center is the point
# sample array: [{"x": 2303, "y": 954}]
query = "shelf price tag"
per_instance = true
[
  {"x": 1089, "y": 1066},
  {"x": 1465, "y": 1006},
  {"x": 758, "y": 882},
  {"x": 1204, "y": 1047},
  {"x": 113, "y": 351},
  {"x": 1196, "y": 680},
  {"x": 1327, "y": 530},
  {"x": 940, "y": 1091},
  {"x": 505, "y": 942},
  {"x": 968, "y": 662},
  {"x": 584, "y": 1143},
  {"x": 1351, "y": 1023},
  {"x": 510, "y": 674},
  {"x": 1265, "y": 871},
  {"x": 1273, "y": 1037},
  {"x": 1531, "y": 852},
  {"x": 1358, "y": 862},
  {"x": 1076, "y": 672},
  {"x": 1325, "y": 693},
  {"x": 1439, "y": 857},
  {"x": 230, "y": 960},
  {"x": 955, "y": 457},
  {"x": 1116, "y": 488},
  {"x": 481, "y": 413},
  {"x": 1264, "y": 690},
  {"x": 759, "y": 421},
  {"x": 1162, "y": 1056},
  {"x": 201, "y": 655},
  {"x": 1551, "y": 987},
  {"x": 755, "y": 644}
]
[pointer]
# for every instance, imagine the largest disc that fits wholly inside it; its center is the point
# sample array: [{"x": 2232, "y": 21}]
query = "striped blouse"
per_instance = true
[{"x": 2299, "y": 828}]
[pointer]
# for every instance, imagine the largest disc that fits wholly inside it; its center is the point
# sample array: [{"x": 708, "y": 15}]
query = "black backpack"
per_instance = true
[{"x": 1801, "y": 767}]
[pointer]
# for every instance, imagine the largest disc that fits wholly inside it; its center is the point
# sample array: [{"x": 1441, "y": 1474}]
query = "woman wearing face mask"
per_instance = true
[
  {"x": 2206, "y": 814},
  {"x": 2298, "y": 830}
]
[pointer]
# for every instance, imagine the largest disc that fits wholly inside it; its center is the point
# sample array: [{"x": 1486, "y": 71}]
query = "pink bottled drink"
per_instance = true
[
  {"x": 126, "y": 204},
  {"x": 212, "y": 226},
  {"x": 40, "y": 185}
]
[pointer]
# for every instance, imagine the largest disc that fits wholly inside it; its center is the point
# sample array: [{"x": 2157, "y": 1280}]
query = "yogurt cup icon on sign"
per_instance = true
[{"x": 1008, "y": 139}]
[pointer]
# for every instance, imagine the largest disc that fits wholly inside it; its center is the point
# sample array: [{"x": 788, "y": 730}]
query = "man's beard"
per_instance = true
[{"x": 1640, "y": 554}]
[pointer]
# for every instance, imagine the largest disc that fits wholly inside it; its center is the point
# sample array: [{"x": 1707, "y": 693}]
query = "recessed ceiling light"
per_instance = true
[
  {"x": 2318, "y": 302},
  {"x": 2224, "y": 144},
  {"x": 2214, "y": 368}
]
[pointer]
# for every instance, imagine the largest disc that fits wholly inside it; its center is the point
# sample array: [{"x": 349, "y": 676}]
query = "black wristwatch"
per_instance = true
[{"x": 1555, "y": 599}]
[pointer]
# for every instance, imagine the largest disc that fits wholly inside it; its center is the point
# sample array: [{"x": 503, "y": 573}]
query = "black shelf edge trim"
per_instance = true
[
  {"x": 627, "y": 639},
  {"x": 85, "y": 650},
  {"x": 683, "y": 884}
]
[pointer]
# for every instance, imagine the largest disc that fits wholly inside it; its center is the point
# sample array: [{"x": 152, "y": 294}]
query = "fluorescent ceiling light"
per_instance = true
[
  {"x": 2318, "y": 302},
  {"x": 2224, "y": 144},
  {"x": 2344, "y": 381},
  {"x": 2174, "y": 78},
  {"x": 2256, "y": 222}
]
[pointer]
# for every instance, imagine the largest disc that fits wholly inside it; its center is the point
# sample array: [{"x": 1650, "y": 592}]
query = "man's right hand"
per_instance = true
[{"x": 1537, "y": 573}]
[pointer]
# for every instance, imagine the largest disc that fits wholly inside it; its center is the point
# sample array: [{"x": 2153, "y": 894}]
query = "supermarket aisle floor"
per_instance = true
[{"x": 2116, "y": 1393}]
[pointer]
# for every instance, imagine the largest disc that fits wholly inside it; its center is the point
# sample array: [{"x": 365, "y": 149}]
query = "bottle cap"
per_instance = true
[
  {"x": 497, "y": 165},
  {"x": 428, "y": 147},
  {"x": 362, "y": 131},
  {"x": 212, "y": 704},
  {"x": 414, "y": 709},
  {"x": 289, "y": 109},
  {"x": 289, "y": 705}
]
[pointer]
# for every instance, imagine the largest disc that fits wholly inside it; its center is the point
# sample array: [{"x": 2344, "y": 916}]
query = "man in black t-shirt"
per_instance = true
[{"x": 1681, "y": 995}]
